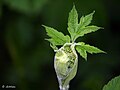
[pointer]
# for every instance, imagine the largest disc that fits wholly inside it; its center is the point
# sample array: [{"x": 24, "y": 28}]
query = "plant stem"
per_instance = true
[{"x": 64, "y": 88}]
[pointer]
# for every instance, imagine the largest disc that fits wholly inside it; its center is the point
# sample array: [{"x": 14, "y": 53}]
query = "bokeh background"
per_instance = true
[{"x": 26, "y": 59}]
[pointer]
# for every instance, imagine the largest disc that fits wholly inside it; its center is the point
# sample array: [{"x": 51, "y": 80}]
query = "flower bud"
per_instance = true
[{"x": 65, "y": 64}]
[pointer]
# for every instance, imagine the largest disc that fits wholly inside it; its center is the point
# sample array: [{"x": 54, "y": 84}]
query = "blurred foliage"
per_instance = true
[
  {"x": 113, "y": 84},
  {"x": 26, "y": 59},
  {"x": 26, "y": 6}
]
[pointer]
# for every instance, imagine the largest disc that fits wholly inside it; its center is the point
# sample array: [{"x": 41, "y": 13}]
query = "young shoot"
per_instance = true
[{"x": 66, "y": 58}]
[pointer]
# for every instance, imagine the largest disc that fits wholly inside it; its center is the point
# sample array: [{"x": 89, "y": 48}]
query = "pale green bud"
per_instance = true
[{"x": 65, "y": 63}]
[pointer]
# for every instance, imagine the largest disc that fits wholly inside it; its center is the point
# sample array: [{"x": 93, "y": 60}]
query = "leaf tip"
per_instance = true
[
  {"x": 93, "y": 11},
  {"x": 73, "y": 5},
  {"x": 101, "y": 28},
  {"x": 85, "y": 59},
  {"x": 101, "y": 51},
  {"x": 73, "y": 8},
  {"x": 46, "y": 39},
  {"x": 43, "y": 25},
  {"x": 104, "y": 52}
]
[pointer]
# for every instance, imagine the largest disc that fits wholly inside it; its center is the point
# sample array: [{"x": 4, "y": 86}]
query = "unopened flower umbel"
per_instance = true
[{"x": 65, "y": 63}]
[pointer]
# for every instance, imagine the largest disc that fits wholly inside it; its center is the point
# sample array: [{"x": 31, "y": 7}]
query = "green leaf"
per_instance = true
[
  {"x": 92, "y": 49},
  {"x": 72, "y": 22},
  {"x": 76, "y": 30},
  {"x": 83, "y": 28},
  {"x": 88, "y": 29},
  {"x": 114, "y": 84},
  {"x": 83, "y": 48},
  {"x": 82, "y": 52},
  {"x": 57, "y": 38},
  {"x": 84, "y": 21},
  {"x": 55, "y": 41}
]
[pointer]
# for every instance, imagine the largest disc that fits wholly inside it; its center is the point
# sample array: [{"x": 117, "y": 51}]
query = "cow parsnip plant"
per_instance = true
[{"x": 66, "y": 58}]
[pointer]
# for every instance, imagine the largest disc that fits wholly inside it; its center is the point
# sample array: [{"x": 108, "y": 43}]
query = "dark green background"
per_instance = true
[{"x": 26, "y": 59}]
